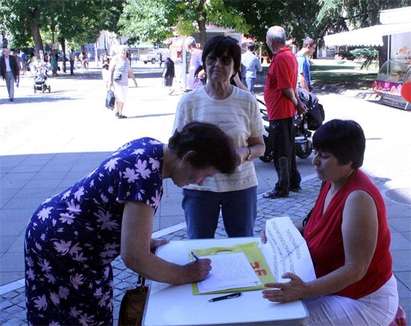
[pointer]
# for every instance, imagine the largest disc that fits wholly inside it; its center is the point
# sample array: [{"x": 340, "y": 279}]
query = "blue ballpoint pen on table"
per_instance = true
[{"x": 224, "y": 297}]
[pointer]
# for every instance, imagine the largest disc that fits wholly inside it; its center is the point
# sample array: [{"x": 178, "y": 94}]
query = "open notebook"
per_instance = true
[{"x": 237, "y": 268}]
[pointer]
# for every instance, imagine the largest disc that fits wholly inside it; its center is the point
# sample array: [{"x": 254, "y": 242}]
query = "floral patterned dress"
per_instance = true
[{"x": 74, "y": 236}]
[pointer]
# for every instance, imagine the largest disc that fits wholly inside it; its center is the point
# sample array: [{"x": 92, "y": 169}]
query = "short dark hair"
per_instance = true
[
  {"x": 218, "y": 45},
  {"x": 307, "y": 42},
  {"x": 212, "y": 147},
  {"x": 344, "y": 139}
]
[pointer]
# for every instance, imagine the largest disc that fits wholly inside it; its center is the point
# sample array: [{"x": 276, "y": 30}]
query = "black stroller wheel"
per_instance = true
[
  {"x": 267, "y": 158},
  {"x": 303, "y": 150},
  {"x": 268, "y": 154}
]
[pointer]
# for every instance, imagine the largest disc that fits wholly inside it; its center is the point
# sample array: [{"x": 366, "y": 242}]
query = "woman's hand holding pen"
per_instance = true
[{"x": 197, "y": 270}]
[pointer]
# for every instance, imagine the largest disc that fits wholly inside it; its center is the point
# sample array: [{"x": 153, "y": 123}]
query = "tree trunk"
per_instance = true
[
  {"x": 35, "y": 32},
  {"x": 63, "y": 49},
  {"x": 201, "y": 22}
]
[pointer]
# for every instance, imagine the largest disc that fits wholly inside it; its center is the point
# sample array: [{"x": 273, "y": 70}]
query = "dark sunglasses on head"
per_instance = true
[{"x": 226, "y": 60}]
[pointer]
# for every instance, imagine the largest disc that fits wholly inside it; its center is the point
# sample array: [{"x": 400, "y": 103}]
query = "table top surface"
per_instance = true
[{"x": 176, "y": 305}]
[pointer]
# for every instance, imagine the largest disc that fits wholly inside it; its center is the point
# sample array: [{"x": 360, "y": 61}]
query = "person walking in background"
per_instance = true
[
  {"x": 281, "y": 101},
  {"x": 119, "y": 72},
  {"x": 194, "y": 63},
  {"x": 54, "y": 62},
  {"x": 9, "y": 70},
  {"x": 168, "y": 74},
  {"x": 105, "y": 66},
  {"x": 304, "y": 64},
  {"x": 23, "y": 61},
  {"x": 252, "y": 65},
  {"x": 73, "y": 237},
  {"x": 72, "y": 58},
  {"x": 84, "y": 60},
  {"x": 236, "y": 111}
]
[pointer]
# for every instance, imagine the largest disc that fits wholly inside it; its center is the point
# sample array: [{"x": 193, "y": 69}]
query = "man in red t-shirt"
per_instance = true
[{"x": 282, "y": 103}]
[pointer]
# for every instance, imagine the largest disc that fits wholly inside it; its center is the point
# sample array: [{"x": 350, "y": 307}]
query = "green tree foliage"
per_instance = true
[
  {"x": 340, "y": 15},
  {"x": 296, "y": 16},
  {"x": 368, "y": 55},
  {"x": 153, "y": 20},
  {"x": 147, "y": 19},
  {"x": 22, "y": 19},
  {"x": 74, "y": 20}
]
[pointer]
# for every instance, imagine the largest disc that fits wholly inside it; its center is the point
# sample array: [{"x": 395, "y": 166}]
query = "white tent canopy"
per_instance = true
[{"x": 368, "y": 36}]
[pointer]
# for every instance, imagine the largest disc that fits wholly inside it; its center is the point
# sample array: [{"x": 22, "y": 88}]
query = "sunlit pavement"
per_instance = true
[{"x": 48, "y": 141}]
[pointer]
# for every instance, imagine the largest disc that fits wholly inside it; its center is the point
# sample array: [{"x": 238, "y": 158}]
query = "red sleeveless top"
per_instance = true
[{"x": 325, "y": 242}]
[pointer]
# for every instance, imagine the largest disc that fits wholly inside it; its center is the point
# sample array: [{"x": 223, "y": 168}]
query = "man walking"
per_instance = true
[
  {"x": 9, "y": 70},
  {"x": 281, "y": 100},
  {"x": 251, "y": 65},
  {"x": 72, "y": 57},
  {"x": 304, "y": 65}
]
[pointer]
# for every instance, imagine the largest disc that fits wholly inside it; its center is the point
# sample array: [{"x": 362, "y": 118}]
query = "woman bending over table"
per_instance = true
[{"x": 74, "y": 236}]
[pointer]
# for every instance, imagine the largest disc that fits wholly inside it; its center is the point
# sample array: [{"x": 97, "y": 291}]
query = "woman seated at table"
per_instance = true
[
  {"x": 74, "y": 236},
  {"x": 348, "y": 238}
]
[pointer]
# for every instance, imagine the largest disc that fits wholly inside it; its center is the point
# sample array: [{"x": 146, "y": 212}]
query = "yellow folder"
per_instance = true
[{"x": 254, "y": 256}]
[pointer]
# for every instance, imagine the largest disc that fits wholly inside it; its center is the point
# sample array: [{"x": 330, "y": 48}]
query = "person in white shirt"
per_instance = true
[
  {"x": 195, "y": 62},
  {"x": 251, "y": 65},
  {"x": 236, "y": 112}
]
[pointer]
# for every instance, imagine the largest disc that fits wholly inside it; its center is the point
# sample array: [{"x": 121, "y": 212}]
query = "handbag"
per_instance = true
[
  {"x": 132, "y": 305},
  {"x": 110, "y": 99},
  {"x": 117, "y": 74},
  {"x": 315, "y": 116}
]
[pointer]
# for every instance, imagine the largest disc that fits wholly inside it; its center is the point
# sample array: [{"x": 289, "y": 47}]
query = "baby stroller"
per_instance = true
[
  {"x": 40, "y": 78},
  {"x": 303, "y": 125}
]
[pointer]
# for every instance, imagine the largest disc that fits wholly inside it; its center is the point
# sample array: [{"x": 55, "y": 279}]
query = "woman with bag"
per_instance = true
[
  {"x": 119, "y": 73},
  {"x": 73, "y": 237}
]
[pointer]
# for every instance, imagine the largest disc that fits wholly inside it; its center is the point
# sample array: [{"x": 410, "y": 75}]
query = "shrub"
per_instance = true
[{"x": 366, "y": 54}]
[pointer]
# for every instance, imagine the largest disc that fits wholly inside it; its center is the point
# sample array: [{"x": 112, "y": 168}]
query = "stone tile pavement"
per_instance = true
[{"x": 12, "y": 303}]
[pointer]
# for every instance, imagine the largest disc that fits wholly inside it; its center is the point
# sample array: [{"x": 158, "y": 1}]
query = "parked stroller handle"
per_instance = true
[{"x": 303, "y": 123}]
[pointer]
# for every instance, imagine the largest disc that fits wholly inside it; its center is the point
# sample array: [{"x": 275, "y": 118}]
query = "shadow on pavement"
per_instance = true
[
  {"x": 149, "y": 115},
  {"x": 95, "y": 73},
  {"x": 37, "y": 99}
]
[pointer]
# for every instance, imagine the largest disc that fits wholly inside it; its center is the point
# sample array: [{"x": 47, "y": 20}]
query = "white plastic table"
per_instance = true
[{"x": 176, "y": 305}]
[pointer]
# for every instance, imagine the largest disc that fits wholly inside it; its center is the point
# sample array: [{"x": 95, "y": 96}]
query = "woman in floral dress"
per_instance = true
[{"x": 74, "y": 236}]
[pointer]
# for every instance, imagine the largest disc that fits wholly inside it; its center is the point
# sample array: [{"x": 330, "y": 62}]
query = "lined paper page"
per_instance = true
[{"x": 229, "y": 270}]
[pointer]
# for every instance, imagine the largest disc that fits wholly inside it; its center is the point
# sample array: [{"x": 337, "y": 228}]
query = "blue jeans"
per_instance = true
[
  {"x": 202, "y": 209},
  {"x": 250, "y": 84}
]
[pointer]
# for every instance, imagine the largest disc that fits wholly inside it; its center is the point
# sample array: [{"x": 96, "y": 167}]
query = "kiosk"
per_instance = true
[{"x": 391, "y": 77}]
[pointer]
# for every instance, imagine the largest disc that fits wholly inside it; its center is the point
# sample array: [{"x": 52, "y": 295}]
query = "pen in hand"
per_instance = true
[
  {"x": 195, "y": 256},
  {"x": 224, "y": 297}
]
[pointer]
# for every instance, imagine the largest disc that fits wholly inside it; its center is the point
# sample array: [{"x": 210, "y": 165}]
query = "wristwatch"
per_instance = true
[{"x": 248, "y": 158}]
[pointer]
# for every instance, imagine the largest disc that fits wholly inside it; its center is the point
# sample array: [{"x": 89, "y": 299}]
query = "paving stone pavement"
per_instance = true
[
  {"x": 387, "y": 157},
  {"x": 12, "y": 304},
  {"x": 297, "y": 205}
]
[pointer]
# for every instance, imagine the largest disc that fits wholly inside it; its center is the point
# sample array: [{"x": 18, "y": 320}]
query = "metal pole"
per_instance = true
[{"x": 184, "y": 67}]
